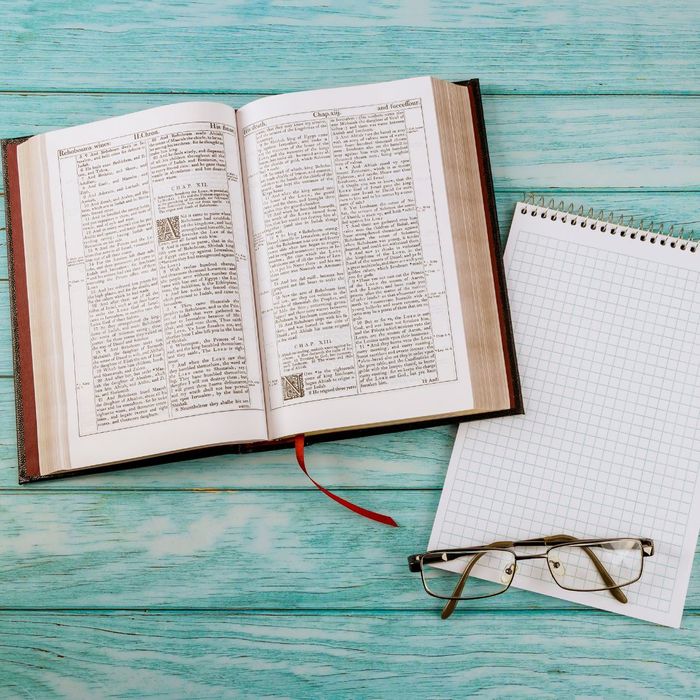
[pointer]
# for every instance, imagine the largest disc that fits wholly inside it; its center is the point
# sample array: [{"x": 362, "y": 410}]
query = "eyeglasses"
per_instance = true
[{"x": 575, "y": 565}]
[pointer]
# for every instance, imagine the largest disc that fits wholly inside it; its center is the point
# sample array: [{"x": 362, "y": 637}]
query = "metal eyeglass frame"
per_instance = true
[{"x": 416, "y": 562}]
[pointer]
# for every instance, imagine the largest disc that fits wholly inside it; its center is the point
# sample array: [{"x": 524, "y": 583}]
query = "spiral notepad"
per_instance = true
[{"x": 606, "y": 326}]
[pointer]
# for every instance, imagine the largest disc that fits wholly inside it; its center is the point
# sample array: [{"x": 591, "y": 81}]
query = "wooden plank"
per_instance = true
[
  {"x": 592, "y": 142},
  {"x": 418, "y": 456},
  {"x": 270, "y": 550},
  {"x": 647, "y": 142},
  {"x": 248, "y": 47},
  {"x": 365, "y": 655},
  {"x": 679, "y": 208}
]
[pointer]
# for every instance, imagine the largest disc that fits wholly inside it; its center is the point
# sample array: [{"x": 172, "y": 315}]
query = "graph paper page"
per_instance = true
[{"x": 606, "y": 332}]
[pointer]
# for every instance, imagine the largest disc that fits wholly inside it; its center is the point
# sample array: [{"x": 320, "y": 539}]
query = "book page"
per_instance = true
[
  {"x": 153, "y": 278},
  {"x": 356, "y": 278}
]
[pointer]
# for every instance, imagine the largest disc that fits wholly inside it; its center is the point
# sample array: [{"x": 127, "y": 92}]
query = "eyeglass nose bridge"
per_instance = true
[{"x": 523, "y": 557}]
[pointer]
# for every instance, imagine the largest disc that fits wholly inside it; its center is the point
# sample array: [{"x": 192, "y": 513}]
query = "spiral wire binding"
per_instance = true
[{"x": 648, "y": 234}]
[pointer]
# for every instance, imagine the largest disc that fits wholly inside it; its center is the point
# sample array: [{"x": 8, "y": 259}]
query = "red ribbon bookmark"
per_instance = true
[{"x": 378, "y": 517}]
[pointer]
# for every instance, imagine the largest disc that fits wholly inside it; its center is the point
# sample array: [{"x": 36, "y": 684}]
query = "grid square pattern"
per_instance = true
[{"x": 608, "y": 446}]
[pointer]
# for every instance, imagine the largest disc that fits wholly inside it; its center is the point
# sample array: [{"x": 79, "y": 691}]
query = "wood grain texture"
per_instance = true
[
  {"x": 679, "y": 208},
  {"x": 263, "y": 586},
  {"x": 232, "y": 550},
  {"x": 535, "y": 141},
  {"x": 376, "y": 655},
  {"x": 211, "y": 45}
]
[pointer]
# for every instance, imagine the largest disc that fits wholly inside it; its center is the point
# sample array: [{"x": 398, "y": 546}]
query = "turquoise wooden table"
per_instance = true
[{"x": 230, "y": 576}]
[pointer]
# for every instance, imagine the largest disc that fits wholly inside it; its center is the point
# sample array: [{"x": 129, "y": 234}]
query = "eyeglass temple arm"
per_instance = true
[
  {"x": 452, "y": 603},
  {"x": 607, "y": 578}
]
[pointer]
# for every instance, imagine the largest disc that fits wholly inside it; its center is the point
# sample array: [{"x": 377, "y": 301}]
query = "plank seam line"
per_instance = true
[
  {"x": 317, "y": 612},
  {"x": 40, "y": 489},
  {"x": 661, "y": 94},
  {"x": 643, "y": 190}
]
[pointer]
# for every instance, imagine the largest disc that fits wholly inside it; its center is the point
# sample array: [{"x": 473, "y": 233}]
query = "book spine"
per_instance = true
[
  {"x": 25, "y": 414},
  {"x": 489, "y": 199}
]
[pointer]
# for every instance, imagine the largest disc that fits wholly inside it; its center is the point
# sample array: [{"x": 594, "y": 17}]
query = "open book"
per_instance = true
[{"x": 194, "y": 275}]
